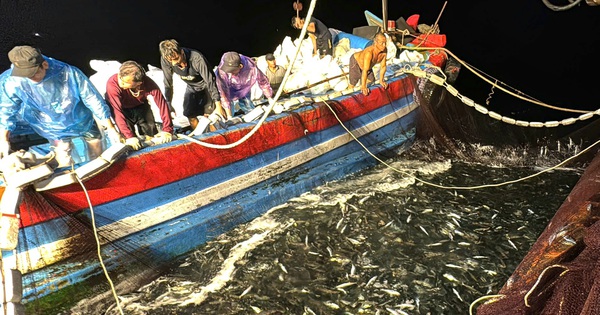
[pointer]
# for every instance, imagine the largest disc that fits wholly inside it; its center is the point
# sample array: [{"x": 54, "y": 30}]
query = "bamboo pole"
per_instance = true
[
  {"x": 313, "y": 84},
  {"x": 384, "y": 16},
  {"x": 435, "y": 28}
]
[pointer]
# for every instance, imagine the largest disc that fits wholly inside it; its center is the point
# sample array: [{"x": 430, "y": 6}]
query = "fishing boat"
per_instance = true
[
  {"x": 168, "y": 199},
  {"x": 62, "y": 227}
]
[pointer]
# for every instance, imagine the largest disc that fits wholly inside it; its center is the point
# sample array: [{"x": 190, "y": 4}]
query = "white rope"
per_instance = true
[
  {"x": 537, "y": 282},
  {"x": 478, "y": 72},
  {"x": 98, "y": 247},
  {"x": 482, "y": 109},
  {"x": 275, "y": 98},
  {"x": 561, "y": 8},
  {"x": 457, "y": 187}
]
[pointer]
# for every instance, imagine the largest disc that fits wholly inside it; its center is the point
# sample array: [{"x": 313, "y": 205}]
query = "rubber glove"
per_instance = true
[
  {"x": 4, "y": 148},
  {"x": 214, "y": 117},
  {"x": 134, "y": 143},
  {"x": 162, "y": 137}
]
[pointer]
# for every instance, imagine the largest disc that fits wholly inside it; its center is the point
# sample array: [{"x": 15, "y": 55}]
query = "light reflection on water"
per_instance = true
[{"x": 375, "y": 243}]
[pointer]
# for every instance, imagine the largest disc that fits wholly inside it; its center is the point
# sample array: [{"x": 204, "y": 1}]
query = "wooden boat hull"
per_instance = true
[{"x": 162, "y": 202}]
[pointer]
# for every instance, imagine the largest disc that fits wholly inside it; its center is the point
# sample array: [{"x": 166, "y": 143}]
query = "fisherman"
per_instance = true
[
  {"x": 236, "y": 75},
  {"x": 201, "y": 96},
  {"x": 362, "y": 62},
  {"x": 131, "y": 93},
  {"x": 56, "y": 99},
  {"x": 319, "y": 34},
  {"x": 274, "y": 73}
]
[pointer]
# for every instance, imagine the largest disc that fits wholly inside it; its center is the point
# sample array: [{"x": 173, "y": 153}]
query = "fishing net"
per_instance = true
[
  {"x": 140, "y": 263},
  {"x": 451, "y": 127},
  {"x": 559, "y": 274}
]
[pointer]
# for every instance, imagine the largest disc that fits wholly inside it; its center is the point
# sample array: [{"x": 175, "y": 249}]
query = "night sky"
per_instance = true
[{"x": 546, "y": 54}]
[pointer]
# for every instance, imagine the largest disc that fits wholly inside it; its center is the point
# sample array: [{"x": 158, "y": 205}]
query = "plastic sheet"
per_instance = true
[
  {"x": 356, "y": 42},
  {"x": 60, "y": 107}
]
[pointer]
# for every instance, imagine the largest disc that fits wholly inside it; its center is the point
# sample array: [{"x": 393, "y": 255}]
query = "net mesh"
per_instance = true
[{"x": 559, "y": 274}]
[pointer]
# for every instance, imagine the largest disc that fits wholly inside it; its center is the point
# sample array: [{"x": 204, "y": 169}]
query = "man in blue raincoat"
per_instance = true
[{"x": 57, "y": 101}]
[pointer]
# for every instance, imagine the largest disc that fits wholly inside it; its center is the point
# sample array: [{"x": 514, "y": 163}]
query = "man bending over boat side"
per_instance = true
[
  {"x": 319, "y": 35},
  {"x": 236, "y": 75},
  {"x": 362, "y": 62},
  {"x": 131, "y": 93},
  {"x": 56, "y": 99},
  {"x": 201, "y": 96}
]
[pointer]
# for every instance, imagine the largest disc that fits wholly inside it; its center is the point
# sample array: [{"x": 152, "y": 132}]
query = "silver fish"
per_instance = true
[{"x": 246, "y": 291}]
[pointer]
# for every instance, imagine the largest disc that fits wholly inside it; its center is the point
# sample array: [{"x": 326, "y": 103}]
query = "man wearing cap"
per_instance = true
[
  {"x": 275, "y": 73},
  {"x": 56, "y": 99},
  {"x": 201, "y": 96},
  {"x": 236, "y": 75}
]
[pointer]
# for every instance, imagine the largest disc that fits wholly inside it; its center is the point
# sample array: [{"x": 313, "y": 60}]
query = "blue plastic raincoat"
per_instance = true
[{"x": 60, "y": 106}]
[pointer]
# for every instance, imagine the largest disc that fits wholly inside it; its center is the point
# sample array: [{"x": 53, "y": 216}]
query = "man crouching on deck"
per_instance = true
[
  {"x": 362, "y": 62},
  {"x": 56, "y": 100}
]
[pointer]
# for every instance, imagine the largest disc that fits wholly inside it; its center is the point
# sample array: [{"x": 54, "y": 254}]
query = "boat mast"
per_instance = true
[{"x": 384, "y": 16}]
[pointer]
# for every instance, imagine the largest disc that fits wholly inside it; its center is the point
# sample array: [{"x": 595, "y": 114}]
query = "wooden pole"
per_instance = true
[
  {"x": 313, "y": 85},
  {"x": 384, "y": 16},
  {"x": 435, "y": 28}
]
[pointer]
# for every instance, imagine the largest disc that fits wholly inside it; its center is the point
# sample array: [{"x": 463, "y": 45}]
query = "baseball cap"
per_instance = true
[
  {"x": 270, "y": 56},
  {"x": 231, "y": 61},
  {"x": 26, "y": 61}
]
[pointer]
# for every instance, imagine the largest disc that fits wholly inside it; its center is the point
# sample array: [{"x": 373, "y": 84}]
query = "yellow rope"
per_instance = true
[
  {"x": 489, "y": 99},
  {"x": 526, "y": 298},
  {"x": 485, "y": 297}
]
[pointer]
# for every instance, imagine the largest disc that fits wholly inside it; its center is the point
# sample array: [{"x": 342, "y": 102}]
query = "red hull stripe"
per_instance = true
[{"x": 152, "y": 169}]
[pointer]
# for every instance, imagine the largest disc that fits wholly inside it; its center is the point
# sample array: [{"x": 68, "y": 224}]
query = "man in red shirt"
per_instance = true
[{"x": 130, "y": 94}]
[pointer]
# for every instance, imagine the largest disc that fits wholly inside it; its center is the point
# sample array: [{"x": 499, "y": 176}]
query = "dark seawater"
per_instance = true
[{"x": 379, "y": 242}]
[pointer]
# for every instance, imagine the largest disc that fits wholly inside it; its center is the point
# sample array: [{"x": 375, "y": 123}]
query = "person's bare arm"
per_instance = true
[
  {"x": 366, "y": 66},
  {"x": 219, "y": 110},
  {"x": 311, "y": 28},
  {"x": 382, "y": 69},
  {"x": 313, "y": 39}
]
